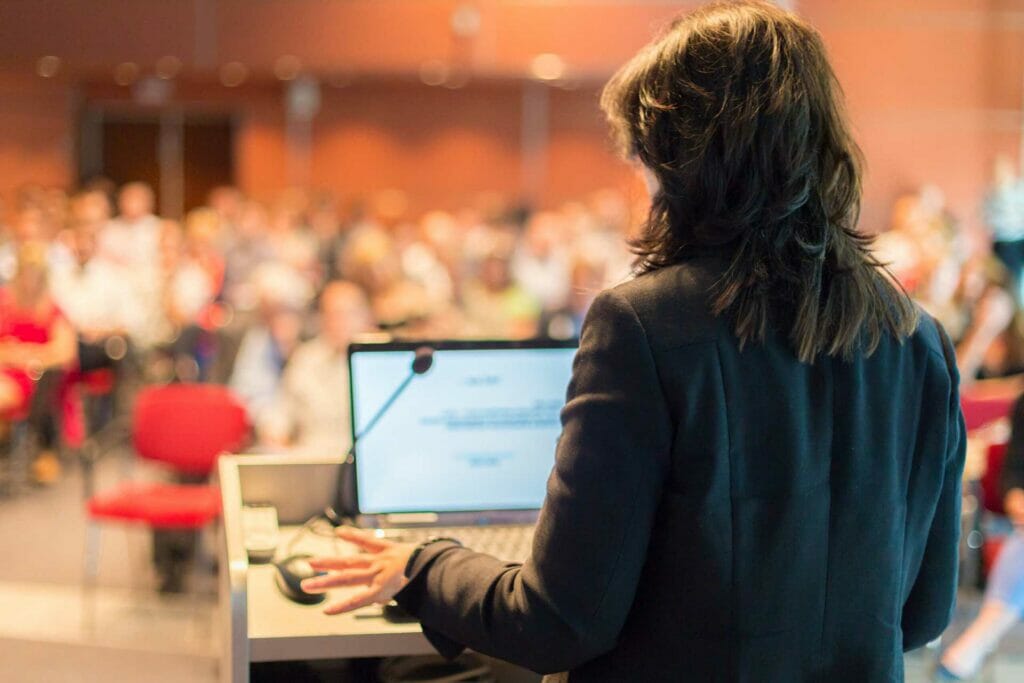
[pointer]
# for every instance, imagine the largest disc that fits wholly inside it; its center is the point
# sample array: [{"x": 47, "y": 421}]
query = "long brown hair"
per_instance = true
[{"x": 738, "y": 114}]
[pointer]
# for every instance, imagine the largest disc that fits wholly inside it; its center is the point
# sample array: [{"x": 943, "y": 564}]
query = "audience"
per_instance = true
[
  {"x": 229, "y": 294},
  {"x": 240, "y": 275}
]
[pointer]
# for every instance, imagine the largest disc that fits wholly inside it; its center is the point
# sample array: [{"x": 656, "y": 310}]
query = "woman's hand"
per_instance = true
[{"x": 380, "y": 567}]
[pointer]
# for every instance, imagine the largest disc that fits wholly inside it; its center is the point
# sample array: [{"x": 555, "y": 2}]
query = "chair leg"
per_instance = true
[
  {"x": 92, "y": 554},
  {"x": 91, "y": 565},
  {"x": 20, "y": 457}
]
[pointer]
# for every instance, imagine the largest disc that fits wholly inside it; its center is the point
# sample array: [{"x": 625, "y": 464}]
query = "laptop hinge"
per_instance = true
[{"x": 400, "y": 519}]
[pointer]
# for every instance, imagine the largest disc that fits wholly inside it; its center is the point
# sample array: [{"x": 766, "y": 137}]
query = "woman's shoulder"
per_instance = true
[{"x": 672, "y": 303}]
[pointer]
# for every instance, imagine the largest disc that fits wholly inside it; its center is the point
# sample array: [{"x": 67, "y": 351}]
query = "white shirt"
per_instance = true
[
  {"x": 92, "y": 296},
  {"x": 132, "y": 244},
  {"x": 544, "y": 278},
  {"x": 314, "y": 400}
]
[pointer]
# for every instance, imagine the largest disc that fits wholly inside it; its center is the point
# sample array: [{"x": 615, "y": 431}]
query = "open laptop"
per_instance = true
[{"x": 466, "y": 449}]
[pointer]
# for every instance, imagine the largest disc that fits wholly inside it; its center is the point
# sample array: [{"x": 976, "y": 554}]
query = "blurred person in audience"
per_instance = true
[
  {"x": 326, "y": 227},
  {"x": 34, "y": 337},
  {"x": 55, "y": 205},
  {"x": 132, "y": 239},
  {"x": 173, "y": 296},
  {"x": 29, "y": 226},
  {"x": 423, "y": 257},
  {"x": 495, "y": 305},
  {"x": 311, "y": 414},
  {"x": 612, "y": 221},
  {"x": 443, "y": 234},
  {"x": 202, "y": 229},
  {"x": 984, "y": 326},
  {"x": 588, "y": 277},
  {"x": 290, "y": 240},
  {"x": 248, "y": 249},
  {"x": 105, "y": 186},
  {"x": 152, "y": 325},
  {"x": 269, "y": 341},
  {"x": 1003, "y": 603},
  {"x": 227, "y": 202},
  {"x": 194, "y": 279},
  {"x": 1004, "y": 215},
  {"x": 920, "y": 240},
  {"x": 540, "y": 263},
  {"x": 91, "y": 293},
  {"x": 372, "y": 262}
]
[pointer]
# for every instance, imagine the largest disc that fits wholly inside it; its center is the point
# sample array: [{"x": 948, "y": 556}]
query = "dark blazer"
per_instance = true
[{"x": 718, "y": 514}]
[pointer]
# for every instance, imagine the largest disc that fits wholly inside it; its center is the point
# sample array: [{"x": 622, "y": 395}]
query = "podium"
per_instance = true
[{"x": 257, "y": 623}]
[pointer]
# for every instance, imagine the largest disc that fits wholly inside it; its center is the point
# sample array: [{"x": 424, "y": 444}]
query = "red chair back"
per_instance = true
[
  {"x": 979, "y": 411},
  {"x": 991, "y": 485},
  {"x": 187, "y": 426}
]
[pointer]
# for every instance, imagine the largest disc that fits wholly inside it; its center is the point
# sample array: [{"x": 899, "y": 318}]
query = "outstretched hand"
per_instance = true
[{"x": 380, "y": 567}]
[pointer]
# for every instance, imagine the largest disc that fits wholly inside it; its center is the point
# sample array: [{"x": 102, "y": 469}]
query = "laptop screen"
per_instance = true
[{"x": 476, "y": 432}]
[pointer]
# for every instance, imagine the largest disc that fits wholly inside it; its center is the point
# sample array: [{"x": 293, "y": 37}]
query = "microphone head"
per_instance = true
[{"x": 423, "y": 361}]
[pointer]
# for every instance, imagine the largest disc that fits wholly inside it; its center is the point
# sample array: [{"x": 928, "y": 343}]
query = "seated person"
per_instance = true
[
  {"x": 1003, "y": 603},
  {"x": 262, "y": 354},
  {"x": 312, "y": 410},
  {"x": 91, "y": 291},
  {"x": 34, "y": 337},
  {"x": 495, "y": 305}
]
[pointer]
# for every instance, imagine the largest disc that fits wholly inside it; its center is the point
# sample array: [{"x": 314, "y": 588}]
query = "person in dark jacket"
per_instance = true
[{"x": 758, "y": 477}]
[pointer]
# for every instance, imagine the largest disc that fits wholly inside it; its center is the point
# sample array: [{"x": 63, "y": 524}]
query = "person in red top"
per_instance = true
[{"x": 34, "y": 337}]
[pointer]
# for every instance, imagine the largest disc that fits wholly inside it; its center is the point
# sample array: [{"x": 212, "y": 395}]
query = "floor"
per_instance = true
[{"x": 51, "y": 630}]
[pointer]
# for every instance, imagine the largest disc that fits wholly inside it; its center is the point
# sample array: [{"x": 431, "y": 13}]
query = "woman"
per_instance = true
[
  {"x": 758, "y": 477},
  {"x": 34, "y": 337}
]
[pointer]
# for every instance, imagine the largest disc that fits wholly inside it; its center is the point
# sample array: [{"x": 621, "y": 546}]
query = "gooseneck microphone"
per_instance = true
[{"x": 422, "y": 361}]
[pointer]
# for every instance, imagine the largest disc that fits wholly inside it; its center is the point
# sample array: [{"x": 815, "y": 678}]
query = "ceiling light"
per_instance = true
[
  {"x": 434, "y": 72},
  {"x": 287, "y": 68},
  {"x": 167, "y": 67},
  {"x": 126, "y": 73},
  {"x": 233, "y": 74},
  {"x": 48, "y": 66},
  {"x": 547, "y": 67}
]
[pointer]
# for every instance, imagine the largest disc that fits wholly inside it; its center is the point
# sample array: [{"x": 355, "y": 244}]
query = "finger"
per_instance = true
[
  {"x": 366, "y": 540},
  {"x": 360, "y": 599},
  {"x": 336, "y": 563},
  {"x": 351, "y": 577}
]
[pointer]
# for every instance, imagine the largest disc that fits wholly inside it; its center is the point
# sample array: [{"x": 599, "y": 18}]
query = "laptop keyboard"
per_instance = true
[{"x": 510, "y": 542}]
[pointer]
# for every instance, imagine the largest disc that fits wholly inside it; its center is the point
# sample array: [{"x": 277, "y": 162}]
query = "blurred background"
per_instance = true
[{"x": 227, "y": 192}]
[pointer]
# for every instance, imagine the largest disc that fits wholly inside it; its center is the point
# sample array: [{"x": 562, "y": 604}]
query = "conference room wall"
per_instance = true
[
  {"x": 934, "y": 90},
  {"x": 35, "y": 132}
]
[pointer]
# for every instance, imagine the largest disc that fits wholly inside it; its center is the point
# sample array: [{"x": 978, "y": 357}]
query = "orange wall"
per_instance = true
[
  {"x": 35, "y": 133},
  {"x": 934, "y": 91},
  {"x": 440, "y": 146}
]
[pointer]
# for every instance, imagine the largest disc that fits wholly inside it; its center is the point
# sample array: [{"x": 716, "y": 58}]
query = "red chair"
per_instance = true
[
  {"x": 184, "y": 426},
  {"x": 981, "y": 410},
  {"x": 992, "y": 502}
]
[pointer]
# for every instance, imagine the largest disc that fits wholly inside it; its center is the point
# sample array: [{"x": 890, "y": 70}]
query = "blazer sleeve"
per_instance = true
[
  {"x": 929, "y": 607},
  {"x": 567, "y": 604}
]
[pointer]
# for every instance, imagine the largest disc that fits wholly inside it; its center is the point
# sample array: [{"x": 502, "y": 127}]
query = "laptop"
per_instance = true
[{"x": 465, "y": 451}]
